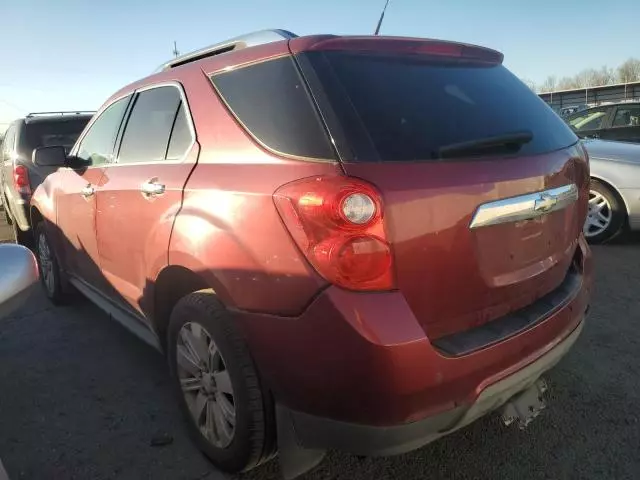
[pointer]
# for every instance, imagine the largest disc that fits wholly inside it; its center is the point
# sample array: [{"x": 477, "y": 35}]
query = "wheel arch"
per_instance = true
[
  {"x": 172, "y": 283},
  {"x": 35, "y": 216},
  {"x": 615, "y": 191}
]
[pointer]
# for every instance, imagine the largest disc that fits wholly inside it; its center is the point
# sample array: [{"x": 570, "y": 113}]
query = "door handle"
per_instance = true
[
  {"x": 152, "y": 187},
  {"x": 88, "y": 191}
]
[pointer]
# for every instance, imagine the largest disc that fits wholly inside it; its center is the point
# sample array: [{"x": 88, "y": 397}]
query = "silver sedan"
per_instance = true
[{"x": 614, "y": 197}]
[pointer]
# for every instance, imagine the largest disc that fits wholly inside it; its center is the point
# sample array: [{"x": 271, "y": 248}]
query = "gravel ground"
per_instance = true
[{"x": 80, "y": 398}]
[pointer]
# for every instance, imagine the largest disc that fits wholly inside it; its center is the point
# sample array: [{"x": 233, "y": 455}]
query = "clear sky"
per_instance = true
[{"x": 72, "y": 54}]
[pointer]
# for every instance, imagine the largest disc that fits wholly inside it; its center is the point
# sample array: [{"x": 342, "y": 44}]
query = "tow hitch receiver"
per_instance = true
[{"x": 526, "y": 405}]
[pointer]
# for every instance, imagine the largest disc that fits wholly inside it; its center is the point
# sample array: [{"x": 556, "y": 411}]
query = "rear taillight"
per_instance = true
[
  {"x": 337, "y": 222},
  {"x": 21, "y": 179}
]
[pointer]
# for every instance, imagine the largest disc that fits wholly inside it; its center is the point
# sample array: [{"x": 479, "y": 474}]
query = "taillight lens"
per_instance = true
[
  {"x": 337, "y": 222},
  {"x": 21, "y": 179}
]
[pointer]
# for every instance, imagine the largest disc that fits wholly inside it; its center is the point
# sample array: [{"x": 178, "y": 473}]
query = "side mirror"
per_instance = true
[
  {"x": 77, "y": 163},
  {"x": 19, "y": 272},
  {"x": 53, "y": 156}
]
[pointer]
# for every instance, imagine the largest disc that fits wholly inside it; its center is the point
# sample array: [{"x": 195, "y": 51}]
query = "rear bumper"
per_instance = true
[
  {"x": 320, "y": 433},
  {"x": 631, "y": 198},
  {"x": 364, "y": 359},
  {"x": 18, "y": 208}
]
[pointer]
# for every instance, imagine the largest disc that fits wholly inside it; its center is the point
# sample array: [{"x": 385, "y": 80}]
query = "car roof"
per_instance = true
[
  {"x": 267, "y": 44},
  {"x": 52, "y": 118}
]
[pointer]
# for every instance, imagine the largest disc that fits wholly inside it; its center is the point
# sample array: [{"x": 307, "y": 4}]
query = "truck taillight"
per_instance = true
[
  {"x": 337, "y": 222},
  {"x": 21, "y": 179}
]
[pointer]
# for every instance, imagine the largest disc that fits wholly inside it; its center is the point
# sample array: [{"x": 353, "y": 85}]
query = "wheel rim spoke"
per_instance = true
[
  {"x": 191, "y": 343},
  {"x": 228, "y": 411},
  {"x": 209, "y": 425},
  {"x": 223, "y": 429},
  {"x": 223, "y": 382},
  {"x": 186, "y": 361},
  {"x": 197, "y": 405},
  {"x": 206, "y": 384},
  {"x": 599, "y": 215},
  {"x": 190, "y": 384}
]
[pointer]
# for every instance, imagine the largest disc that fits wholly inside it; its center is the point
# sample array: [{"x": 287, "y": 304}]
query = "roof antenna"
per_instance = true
[
  {"x": 381, "y": 18},
  {"x": 175, "y": 49}
]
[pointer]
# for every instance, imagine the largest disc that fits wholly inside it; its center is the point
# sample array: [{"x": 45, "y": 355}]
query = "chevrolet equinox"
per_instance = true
[{"x": 351, "y": 243}]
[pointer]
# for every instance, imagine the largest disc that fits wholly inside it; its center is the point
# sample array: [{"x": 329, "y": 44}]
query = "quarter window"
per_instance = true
[
  {"x": 271, "y": 101},
  {"x": 627, "y": 117},
  {"x": 147, "y": 132},
  {"x": 96, "y": 147}
]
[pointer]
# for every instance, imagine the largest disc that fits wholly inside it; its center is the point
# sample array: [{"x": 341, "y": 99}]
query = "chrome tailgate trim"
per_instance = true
[{"x": 524, "y": 207}]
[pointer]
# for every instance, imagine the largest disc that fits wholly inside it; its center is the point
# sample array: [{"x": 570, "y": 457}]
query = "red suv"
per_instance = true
[{"x": 352, "y": 243}]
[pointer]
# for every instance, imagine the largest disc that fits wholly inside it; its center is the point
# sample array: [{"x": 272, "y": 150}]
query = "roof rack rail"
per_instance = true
[
  {"x": 243, "y": 41},
  {"x": 73, "y": 112}
]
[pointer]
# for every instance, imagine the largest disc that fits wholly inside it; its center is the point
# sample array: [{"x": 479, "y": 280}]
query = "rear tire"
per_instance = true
[
  {"x": 50, "y": 274},
  {"x": 606, "y": 216},
  {"x": 22, "y": 238},
  {"x": 229, "y": 415}
]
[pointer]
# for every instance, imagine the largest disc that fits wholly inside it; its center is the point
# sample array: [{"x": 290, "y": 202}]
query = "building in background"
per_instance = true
[{"x": 593, "y": 96}]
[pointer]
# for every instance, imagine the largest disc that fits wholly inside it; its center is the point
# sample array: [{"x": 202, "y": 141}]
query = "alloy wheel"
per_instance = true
[
  {"x": 46, "y": 263},
  {"x": 206, "y": 384},
  {"x": 599, "y": 215}
]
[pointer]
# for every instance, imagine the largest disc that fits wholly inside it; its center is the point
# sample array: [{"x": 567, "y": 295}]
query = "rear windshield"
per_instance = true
[
  {"x": 63, "y": 133},
  {"x": 409, "y": 107}
]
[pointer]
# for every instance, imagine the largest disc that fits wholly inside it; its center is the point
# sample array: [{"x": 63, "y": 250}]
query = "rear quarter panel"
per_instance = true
[
  {"x": 624, "y": 177},
  {"x": 228, "y": 230}
]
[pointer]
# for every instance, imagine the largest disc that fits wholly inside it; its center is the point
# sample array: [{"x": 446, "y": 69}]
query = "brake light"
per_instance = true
[
  {"x": 21, "y": 179},
  {"x": 337, "y": 222},
  {"x": 401, "y": 45}
]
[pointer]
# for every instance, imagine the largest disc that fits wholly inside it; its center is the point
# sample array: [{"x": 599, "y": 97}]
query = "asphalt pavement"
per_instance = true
[{"x": 81, "y": 398}]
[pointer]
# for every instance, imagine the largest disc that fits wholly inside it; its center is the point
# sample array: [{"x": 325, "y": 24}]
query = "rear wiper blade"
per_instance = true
[{"x": 507, "y": 143}]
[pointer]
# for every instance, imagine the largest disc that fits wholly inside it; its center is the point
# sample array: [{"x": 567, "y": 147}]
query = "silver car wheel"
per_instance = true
[
  {"x": 599, "y": 215},
  {"x": 206, "y": 384},
  {"x": 46, "y": 263}
]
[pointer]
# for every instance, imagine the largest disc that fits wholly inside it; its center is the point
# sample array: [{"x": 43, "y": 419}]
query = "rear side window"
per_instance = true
[
  {"x": 627, "y": 117},
  {"x": 411, "y": 106},
  {"x": 61, "y": 132},
  {"x": 589, "y": 120},
  {"x": 147, "y": 132},
  {"x": 271, "y": 101}
]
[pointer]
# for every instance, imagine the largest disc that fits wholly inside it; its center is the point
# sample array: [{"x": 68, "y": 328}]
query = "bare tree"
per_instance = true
[
  {"x": 629, "y": 71},
  {"x": 586, "y": 78},
  {"x": 549, "y": 85},
  {"x": 567, "y": 83},
  {"x": 604, "y": 76}
]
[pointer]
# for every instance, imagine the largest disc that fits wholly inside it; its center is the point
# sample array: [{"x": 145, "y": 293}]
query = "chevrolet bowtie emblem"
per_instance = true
[{"x": 545, "y": 203}]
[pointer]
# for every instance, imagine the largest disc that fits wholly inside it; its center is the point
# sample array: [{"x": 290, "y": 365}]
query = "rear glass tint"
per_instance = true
[
  {"x": 410, "y": 107},
  {"x": 62, "y": 133},
  {"x": 272, "y": 102}
]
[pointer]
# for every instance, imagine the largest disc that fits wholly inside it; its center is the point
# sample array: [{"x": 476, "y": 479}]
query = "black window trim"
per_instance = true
[{"x": 183, "y": 101}]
